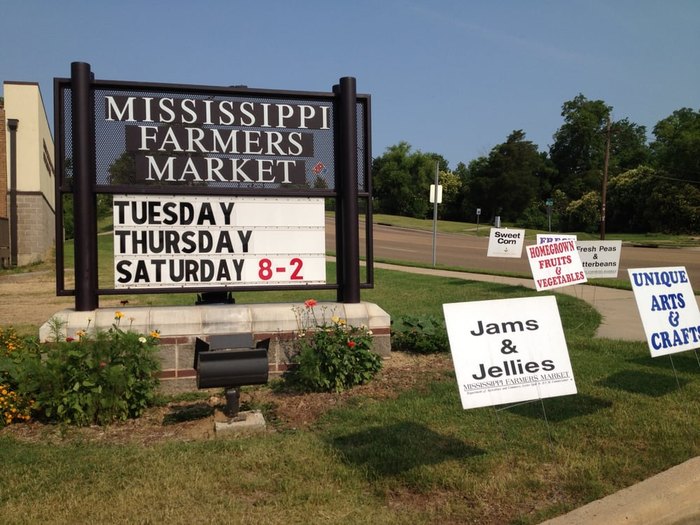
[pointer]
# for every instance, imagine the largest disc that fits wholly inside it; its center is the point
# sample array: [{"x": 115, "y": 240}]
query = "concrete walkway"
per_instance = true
[{"x": 669, "y": 498}]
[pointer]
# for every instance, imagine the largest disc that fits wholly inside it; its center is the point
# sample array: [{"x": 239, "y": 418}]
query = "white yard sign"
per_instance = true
[
  {"x": 543, "y": 238},
  {"x": 555, "y": 264},
  {"x": 169, "y": 241},
  {"x": 668, "y": 309},
  {"x": 504, "y": 242},
  {"x": 508, "y": 350},
  {"x": 600, "y": 259}
]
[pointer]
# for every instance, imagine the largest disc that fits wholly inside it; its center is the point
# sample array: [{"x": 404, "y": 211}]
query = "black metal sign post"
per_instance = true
[
  {"x": 348, "y": 232},
  {"x": 84, "y": 203}
]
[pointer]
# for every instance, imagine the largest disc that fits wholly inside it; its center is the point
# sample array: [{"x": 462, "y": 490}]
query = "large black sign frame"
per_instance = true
[{"x": 77, "y": 114}]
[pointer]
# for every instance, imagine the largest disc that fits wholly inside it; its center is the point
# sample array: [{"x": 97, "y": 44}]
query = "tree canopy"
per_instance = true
[
  {"x": 507, "y": 180},
  {"x": 676, "y": 148},
  {"x": 650, "y": 187},
  {"x": 402, "y": 180}
]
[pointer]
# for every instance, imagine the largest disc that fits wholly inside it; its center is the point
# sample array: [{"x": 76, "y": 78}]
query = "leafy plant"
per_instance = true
[
  {"x": 331, "y": 356},
  {"x": 14, "y": 407},
  {"x": 420, "y": 334},
  {"x": 92, "y": 378}
]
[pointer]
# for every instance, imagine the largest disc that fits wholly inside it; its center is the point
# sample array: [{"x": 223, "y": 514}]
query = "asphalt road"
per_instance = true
[{"x": 469, "y": 252}]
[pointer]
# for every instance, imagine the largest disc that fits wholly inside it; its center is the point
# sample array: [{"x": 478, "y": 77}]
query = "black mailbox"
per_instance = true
[{"x": 231, "y": 361}]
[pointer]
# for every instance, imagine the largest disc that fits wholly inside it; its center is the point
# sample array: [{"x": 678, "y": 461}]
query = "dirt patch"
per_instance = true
[
  {"x": 195, "y": 420},
  {"x": 30, "y": 298}
]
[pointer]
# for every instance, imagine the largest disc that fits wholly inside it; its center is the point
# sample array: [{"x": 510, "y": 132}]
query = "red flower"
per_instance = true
[
  {"x": 70, "y": 339},
  {"x": 310, "y": 303},
  {"x": 102, "y": 364},
  {"x": 351, "y": 344}
]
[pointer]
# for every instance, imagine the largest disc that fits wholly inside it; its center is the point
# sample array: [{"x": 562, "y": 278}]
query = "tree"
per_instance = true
[
  {"x": 451, "y": 185},
  {"x": 583, "y": 214},
  {"x": 539, "y": 216},
  {"x": 505, "y": 182},
  {"x": 123, "y": 170},
  {"x": 676, "y": 149},
  {"x": 628, "y": 147},
  {"x": 455, "y": 208},
  {"x": 644, "y": 200},
  {"x": 402, "y": 180},
  {"x": 578, "y": 150}
]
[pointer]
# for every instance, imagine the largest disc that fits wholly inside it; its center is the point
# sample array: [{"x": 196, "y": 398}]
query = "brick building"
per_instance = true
[{"x": 27, "y": 177}]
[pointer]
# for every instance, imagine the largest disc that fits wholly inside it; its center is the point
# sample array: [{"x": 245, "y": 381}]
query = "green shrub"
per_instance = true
[
  {"x": 331, "y": 356},
  {"x": 420, "y": 335},
  {"x": 95, "y": 378}
]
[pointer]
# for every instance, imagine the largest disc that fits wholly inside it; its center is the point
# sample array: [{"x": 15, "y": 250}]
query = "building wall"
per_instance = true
[
  {"x": 36, "y": 220},
  {"x": 35, "y": 171}
]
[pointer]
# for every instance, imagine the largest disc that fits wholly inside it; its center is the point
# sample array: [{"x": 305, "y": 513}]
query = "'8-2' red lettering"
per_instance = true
[{"x": 265, "y": 271}]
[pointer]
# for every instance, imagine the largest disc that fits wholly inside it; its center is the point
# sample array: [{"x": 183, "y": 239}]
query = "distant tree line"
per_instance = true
[{"x": 651, "y": 186}]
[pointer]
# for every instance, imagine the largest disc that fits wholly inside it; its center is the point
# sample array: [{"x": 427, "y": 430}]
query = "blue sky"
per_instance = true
[{"x": 451, "y": 77}]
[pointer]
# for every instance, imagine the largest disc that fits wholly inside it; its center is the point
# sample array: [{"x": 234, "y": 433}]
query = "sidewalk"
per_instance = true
[{"x": 669, "y": 498}]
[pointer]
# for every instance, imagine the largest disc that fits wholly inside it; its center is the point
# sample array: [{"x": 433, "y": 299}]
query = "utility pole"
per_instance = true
[{"x": 604, "y": 191}]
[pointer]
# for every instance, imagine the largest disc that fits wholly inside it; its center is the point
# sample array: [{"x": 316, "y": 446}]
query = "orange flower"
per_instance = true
[{"x": 310, "y": 303}]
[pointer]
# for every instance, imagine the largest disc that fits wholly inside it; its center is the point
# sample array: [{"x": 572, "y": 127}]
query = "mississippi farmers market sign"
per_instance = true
[
  {"x": 213, "y": 241},
  {"x": 216, "y": 141},
  {"x": 213, "y": 188}
]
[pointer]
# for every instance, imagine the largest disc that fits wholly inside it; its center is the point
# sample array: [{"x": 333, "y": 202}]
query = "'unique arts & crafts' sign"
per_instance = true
[{"x": 668, "y": 309}]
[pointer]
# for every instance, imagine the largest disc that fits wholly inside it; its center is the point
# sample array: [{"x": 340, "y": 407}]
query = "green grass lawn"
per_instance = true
[{"x": 418, "y": 458}]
